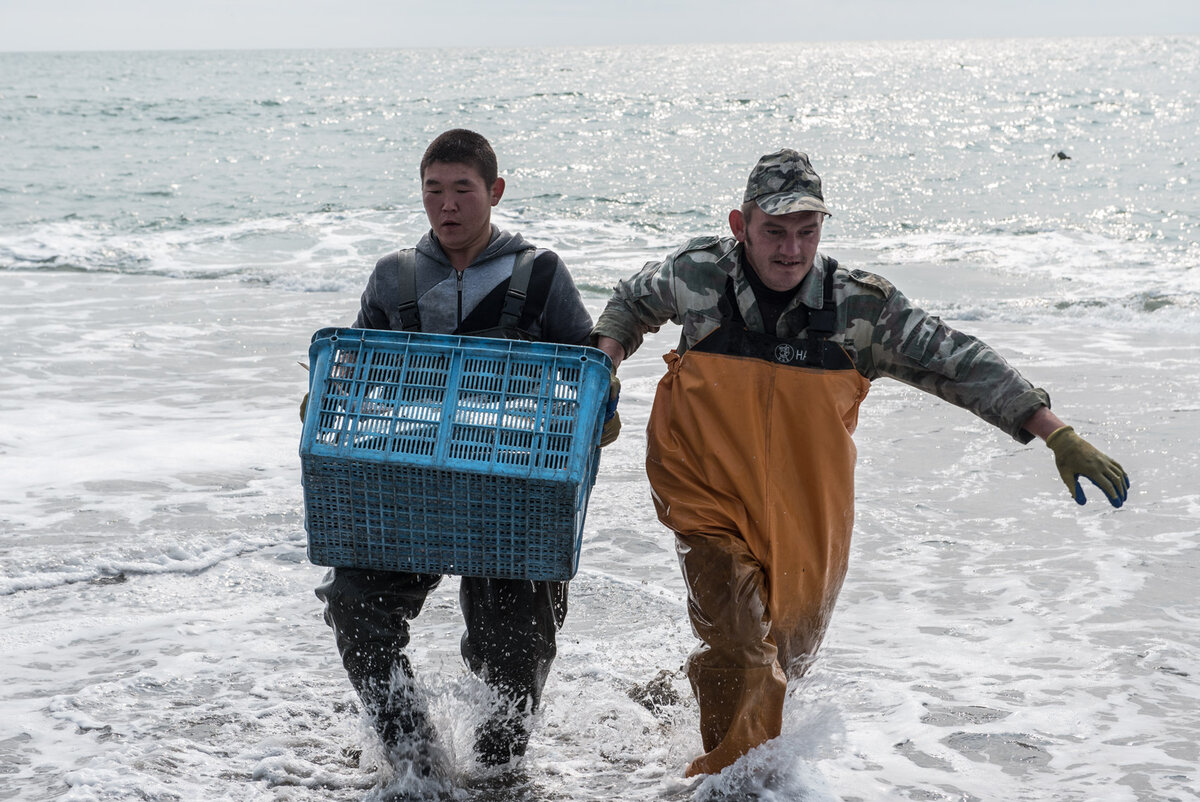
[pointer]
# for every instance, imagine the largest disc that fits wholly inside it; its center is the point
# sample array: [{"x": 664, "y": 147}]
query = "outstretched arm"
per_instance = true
[
  {"x": 1076, "y": 457},
  {"x": 1042, "y": 423}
]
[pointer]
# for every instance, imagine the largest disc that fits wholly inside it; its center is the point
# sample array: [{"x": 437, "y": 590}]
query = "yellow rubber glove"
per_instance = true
[
  {"x": 1076, "y": 457},
  {"x": 612, "y": 419}
]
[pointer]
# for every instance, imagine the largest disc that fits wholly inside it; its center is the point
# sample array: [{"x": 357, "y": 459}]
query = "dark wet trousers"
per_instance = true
[{"x": 509, "y": 642}]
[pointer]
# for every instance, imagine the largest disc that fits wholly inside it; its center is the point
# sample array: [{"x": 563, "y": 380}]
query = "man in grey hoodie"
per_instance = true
[{"x": 465, "y": 276}]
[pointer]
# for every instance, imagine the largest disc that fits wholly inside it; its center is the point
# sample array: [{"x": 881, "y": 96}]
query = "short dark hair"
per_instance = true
[{"x": 460, "y": 146}]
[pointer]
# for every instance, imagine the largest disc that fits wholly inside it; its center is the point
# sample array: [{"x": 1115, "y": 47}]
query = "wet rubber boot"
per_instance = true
[
  {"x": 502, "y": 738},
  {"x": 740, "y": 708},
  {"x": 510, "y": 644},
  {"x": 399, "y": 718},
  {"x": 392, "y": 704},
  {"x": 369, "y": 612}
]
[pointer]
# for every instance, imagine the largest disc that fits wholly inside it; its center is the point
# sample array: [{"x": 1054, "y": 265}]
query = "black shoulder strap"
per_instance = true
[
  {"x": 518, "y": 287},
  {"x": 823, "y": 322},
  {"x": 406, "y": 280}
]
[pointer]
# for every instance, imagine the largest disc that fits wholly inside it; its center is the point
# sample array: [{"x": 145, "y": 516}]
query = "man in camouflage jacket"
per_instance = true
[{"x": 749, "y": 451}]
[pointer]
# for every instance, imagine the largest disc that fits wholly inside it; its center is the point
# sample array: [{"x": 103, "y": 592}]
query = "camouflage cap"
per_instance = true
[{"x": 784, "y": 182}]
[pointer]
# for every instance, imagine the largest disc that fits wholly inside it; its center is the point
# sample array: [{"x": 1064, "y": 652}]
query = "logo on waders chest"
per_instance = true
[{"x": 786, "y": 354}]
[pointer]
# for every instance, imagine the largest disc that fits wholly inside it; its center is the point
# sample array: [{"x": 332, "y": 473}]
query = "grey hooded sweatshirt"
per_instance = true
[{"x": 445, "y": 297}]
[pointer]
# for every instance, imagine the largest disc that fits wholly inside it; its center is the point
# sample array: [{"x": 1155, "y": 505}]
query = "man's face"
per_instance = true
[
  {"x": 459, "y": 205},
  {"x": 780, "y": 247}
]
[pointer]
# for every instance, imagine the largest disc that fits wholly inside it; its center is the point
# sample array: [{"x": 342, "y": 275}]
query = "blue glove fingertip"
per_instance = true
[
  {"x": 1080, "y": 498},
  {"x": 1115, "y": 500},
  {"x": 611, "y": 409}
]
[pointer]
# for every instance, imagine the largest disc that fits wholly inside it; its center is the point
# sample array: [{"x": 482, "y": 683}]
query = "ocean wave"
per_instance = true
[
  {"x": 1018, "y": 274},
  {"x": 1139, "y": 311},
  {"x": 1064, "y": 268},
  {"x": 166, "y": 558},
  {"x": 308, "y": 251}
]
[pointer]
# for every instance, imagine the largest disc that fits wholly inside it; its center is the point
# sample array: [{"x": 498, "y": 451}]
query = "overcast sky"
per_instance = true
[{"x": 206, "y": 24}]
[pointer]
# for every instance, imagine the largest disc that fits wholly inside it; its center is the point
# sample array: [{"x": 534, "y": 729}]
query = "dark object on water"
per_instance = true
[
  {"x": 110, "y": 580},
  {"x": 657, "y": 693},
  {"x": 1060, "y": 156}
]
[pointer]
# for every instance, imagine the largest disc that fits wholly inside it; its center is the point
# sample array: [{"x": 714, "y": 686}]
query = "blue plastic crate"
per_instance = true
[{"x": 441, "y": 454}]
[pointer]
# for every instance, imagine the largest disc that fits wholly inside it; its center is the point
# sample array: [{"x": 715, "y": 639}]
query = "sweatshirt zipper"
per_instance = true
[{"x": 459, "y": 274}]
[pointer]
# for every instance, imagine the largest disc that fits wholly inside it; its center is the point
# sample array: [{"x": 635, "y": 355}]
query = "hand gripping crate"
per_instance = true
[{"x": 441, "y": 454}]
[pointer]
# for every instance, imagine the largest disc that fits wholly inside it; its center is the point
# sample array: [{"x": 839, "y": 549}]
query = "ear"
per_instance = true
[
  {"x": 737, "y": 224},
  {"x": 497, "y": 191}
]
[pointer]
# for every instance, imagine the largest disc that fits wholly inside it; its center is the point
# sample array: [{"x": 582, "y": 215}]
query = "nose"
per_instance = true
[{"x": 789, "y": 245}]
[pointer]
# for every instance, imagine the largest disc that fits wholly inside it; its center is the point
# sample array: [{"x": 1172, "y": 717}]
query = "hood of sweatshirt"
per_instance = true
[
  {"x": 500, "y": 244},
  {"x": 444, "y": 296}
]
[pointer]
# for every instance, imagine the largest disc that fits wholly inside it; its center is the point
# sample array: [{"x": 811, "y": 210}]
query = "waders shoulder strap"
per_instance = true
[
  {"x": 822, "y": 323},
  {"x": 406, "y": 281},
  {"x": 518, "y": 287}
]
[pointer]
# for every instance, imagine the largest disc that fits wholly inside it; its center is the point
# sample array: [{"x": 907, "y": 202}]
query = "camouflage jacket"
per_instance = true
[{"x": 882, "y": 331}]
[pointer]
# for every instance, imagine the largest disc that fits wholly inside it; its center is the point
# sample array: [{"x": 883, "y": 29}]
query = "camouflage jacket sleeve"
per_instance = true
[
  {"x": 892, "y": 337},
  {"x": 684, "y": 288}
]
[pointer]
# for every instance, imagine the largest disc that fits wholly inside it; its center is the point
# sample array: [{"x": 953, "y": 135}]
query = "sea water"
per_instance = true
[{"x": 174, "y": 226}]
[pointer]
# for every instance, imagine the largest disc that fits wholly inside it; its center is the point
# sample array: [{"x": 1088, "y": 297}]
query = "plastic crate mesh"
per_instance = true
[{"x": 460, "y": 455}]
